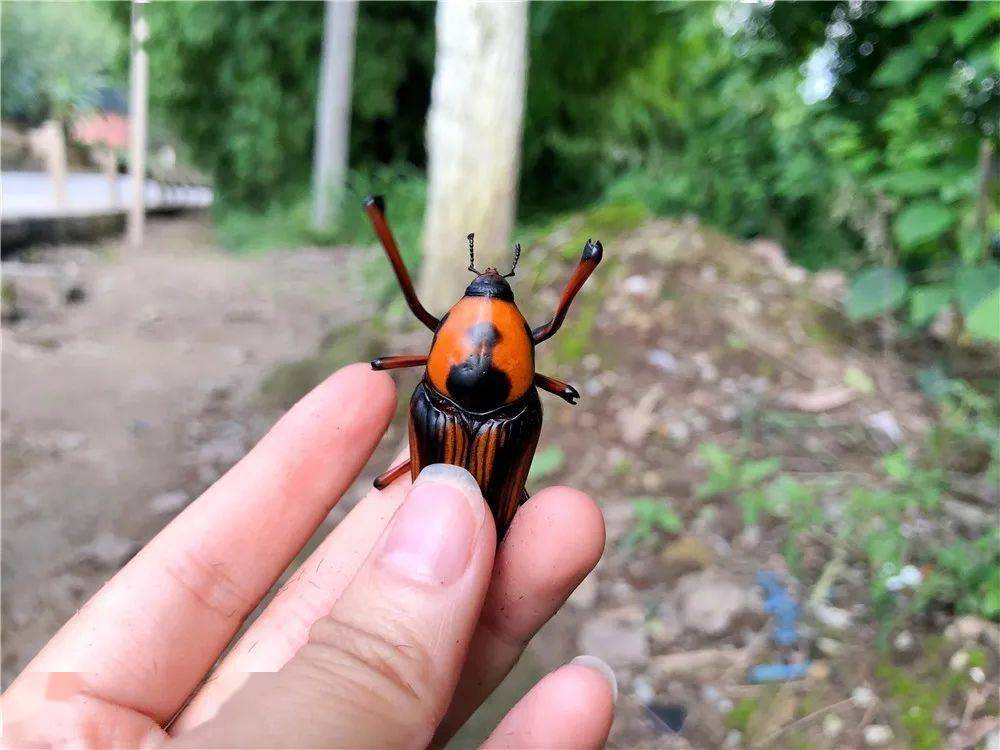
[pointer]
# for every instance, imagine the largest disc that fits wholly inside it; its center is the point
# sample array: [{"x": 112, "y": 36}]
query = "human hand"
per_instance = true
[{"x": 390, "y": 634}]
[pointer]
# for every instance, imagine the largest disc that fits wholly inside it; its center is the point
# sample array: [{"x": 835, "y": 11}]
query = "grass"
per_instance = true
[{"x": 288, "y": 224}]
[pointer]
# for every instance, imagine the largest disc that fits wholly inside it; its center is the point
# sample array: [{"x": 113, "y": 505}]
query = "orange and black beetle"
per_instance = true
[{"x": 477, "y": 406}]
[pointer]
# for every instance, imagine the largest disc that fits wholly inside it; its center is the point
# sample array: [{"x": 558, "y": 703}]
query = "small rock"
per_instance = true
[
  {"x": 637, "y": 285},
  {"x": 944, "y": 324},
  {"x": 706, "y": 368},
  {"x": 862, "y": 696},
  {"x": 959, "y": 661},
  {"x": 833, "y": 725},
  {"x": 903, "y": 641},
  {"x": 662, "y": 360},
  {"x": 169, "y": 502},
  {"x": 643, "y": 691},
  {"x": 585, "y": 595},
  {"x": 885, "y": 423},
  {"x": 637, "y": 422},
  {"x": 977, "y": 675},
  {"x": 829, "y": 646},
  {"x": 967, "y": 628},
  {"x": 108, "y": 550},
  {"x": 830, "y": 284},
  {"x": 617, "y": 636},
  {"x": 878, "y": 735},
  {"x": 651, "y": 481},
  {"x": 687, "y": 555},
  {"x": 618, "y": 519},
  {"x": 832, "y": 617},
  {"x": 819, "y": 671},
  {"x": 909, "y": 577},
  {"x": 733, "y": 740},
  {"x": 711, "y": 603},
  {"x": 679, "y": 432},
  {"x": 697, "y": 663},
  {"x": 729, "y": 413},
  {"x": 666, "y": 627},
  {"x": 749, "y": 538}
]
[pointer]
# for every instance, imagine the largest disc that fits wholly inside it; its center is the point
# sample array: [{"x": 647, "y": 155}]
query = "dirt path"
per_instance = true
[
  {"x": 121, "y": 406},
  {"x": 132, "y": 381}
]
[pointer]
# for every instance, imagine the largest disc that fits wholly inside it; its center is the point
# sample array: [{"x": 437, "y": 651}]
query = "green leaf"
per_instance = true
[
  {"x": 927, "y": 301},
  {"x": 874, "y": 292},
  {"x": 922, "y": 222},
  {"x": 753, "y": 504},
  {"x": 900, "y": 67},
  {"x": 974, "y": 284},
  {"x": 901, "y": 11},
  {"x": 976, "y": 17},
  {"x": 983, "y": 322},
  {"x": 897, "y": 466},
  {"x": 753, "y": 472},
  {"x": 990, "y": 598},
  {"x": 857, "y": 379},
  {"x": 546, "y": 463},
  {"x": 909, "y": 182},
  {"x": 722, "y": 471},
  {"x": 655, "y": 514}
]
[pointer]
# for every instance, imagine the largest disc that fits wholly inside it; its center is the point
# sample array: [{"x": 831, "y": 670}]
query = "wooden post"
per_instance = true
[
  {"x": 333, "y": 110},
  {"x": 138, "y": 111},
  {"x": 473, "y": 140}
]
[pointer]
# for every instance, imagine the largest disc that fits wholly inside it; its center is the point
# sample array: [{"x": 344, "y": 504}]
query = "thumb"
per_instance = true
[{"x": 379, "y": 670}]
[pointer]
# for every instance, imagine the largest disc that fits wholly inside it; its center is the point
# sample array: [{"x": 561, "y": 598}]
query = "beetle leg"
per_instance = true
[
  {"x": 386, "y": 478},
  {"x": 375, "y": 207},
  {"x": 402, "y": 360},
  {"x": 592, "y": 253},
  {"x": 565, "y": 391}
]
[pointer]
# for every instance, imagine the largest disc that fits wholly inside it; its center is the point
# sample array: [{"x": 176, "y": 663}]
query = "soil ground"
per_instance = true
[{"x": 132, "y": 380}]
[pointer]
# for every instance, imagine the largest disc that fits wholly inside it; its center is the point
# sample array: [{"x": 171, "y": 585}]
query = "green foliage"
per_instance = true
[
  {"x": 919, "y": 690},
  {"x": 983, "y": 322},
  {"x": 54, "y": 58},
  {"x": 875, "y": 291},
  {"x": 239, "y": 81},
  {"x": 873, "y": 523},
  {"x": 974, "y": 290},
  {"x": 726, "y": 473},
  {"x": 652, "y": 517},
  {"x": 547, "y": 462},
  {"x": 287, "y": 223}
]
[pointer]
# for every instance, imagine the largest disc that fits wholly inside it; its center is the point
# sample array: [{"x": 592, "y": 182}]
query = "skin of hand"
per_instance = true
[{"x": 390, "y": 634}]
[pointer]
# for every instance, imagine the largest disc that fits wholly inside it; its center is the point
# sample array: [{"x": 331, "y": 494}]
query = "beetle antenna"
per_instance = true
[
  {"x": 472, "y": 252},
  {"x": 517, "y": 256}
]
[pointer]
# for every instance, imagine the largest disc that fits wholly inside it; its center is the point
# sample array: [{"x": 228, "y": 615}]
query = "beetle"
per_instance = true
[{"x": 477, "y": 405}]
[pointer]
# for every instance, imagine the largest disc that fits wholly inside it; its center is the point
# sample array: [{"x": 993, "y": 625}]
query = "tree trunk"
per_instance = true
[
  {"x": 333, "y": 110},
  {"x": 473, "y": 142}
]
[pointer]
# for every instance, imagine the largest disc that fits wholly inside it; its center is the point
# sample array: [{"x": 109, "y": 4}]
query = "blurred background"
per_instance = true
[{"x": 788, "y": 359}]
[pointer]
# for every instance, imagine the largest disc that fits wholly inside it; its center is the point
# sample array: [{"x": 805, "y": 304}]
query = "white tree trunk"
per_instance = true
[
  {"x": 473, "y": 142},
  {"x": 333, "y": 110}
]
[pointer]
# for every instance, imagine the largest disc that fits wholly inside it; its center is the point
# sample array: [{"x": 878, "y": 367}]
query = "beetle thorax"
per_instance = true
[{"x": 482, "y": 356}]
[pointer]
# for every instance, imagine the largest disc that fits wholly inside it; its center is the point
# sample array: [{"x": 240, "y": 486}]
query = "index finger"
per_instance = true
[{"x": 148, "y": 637}]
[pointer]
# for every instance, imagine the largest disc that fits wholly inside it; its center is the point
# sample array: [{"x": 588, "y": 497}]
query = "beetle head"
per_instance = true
[{"x": 490, "y": 283}]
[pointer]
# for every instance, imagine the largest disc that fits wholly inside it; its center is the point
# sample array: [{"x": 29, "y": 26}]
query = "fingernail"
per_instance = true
[
  {"x": 601, "y": 667},
  {"x": 432, "y": 533}
]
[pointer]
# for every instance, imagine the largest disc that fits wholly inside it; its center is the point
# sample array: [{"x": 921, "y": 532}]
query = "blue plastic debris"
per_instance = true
[
  {"x": 778, "y": 672},
  {"x": 779, "y": 603}
]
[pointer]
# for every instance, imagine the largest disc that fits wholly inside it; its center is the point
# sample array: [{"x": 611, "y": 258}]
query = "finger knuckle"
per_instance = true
[{"x": 392, "y": 665}]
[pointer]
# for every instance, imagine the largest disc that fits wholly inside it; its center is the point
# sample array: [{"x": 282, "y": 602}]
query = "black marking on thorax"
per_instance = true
[{"x": 474, "y": 383}]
